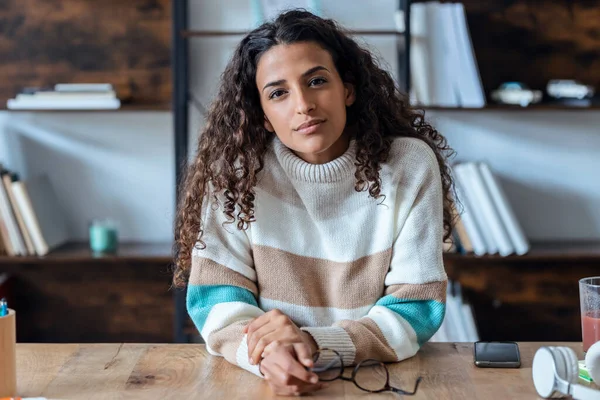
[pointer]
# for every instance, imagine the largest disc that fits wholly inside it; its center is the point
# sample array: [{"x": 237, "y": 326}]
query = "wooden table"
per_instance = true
[{"x": 169, "y": 371}]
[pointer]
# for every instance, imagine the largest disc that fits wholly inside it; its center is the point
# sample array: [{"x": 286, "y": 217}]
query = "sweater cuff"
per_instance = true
[
  {"x": 241, "y": 358},
  {"x": 334, "y": 338}
]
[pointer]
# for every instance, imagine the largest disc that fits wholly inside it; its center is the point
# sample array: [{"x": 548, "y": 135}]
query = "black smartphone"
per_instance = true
[{"x": 497, "y": 355}]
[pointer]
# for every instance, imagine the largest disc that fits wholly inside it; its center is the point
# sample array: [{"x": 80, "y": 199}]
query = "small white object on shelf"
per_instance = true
[
  {"x": 516, "y": 93},
  {"x": 568, "y": 89}
]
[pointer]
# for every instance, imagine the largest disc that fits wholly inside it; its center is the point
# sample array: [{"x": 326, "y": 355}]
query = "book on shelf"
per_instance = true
[
  {"x": 13, "y": 241},
  {"x": 31, "y": 218},
  {"x": 7, "y": 180},
  {"x": 470, "y": 201},
  {"x": 67, "y": 97},
  {"x": 462, "y": 238},
  {"x": 443, "y": 66},
  {"x": 490, "y": 225},
  {"x": 515, "y": 232}
]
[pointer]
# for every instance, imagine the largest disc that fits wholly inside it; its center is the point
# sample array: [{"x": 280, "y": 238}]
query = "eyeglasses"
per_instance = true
[{"x": 369, "y": 375}]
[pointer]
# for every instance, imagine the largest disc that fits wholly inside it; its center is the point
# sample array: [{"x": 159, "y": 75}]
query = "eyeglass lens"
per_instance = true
[
  {"x": 371, "y": 376},
  {"x": 328, "y": 364}
]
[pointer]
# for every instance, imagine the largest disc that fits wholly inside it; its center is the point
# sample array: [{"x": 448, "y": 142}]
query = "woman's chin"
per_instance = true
[{"x": 312, "y": 150}]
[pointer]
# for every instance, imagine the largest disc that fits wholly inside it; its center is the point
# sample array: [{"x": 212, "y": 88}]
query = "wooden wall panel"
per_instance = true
[
  {"x": 528, "y": 300},
  {"x": 120, "y": 301},
  {"x": 126, "y": 43},
  {"x": 534, "y": 41}
]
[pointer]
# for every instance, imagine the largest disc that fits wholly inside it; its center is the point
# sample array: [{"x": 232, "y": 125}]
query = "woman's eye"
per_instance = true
[
  {"x": 276, "y": 94},
  {"x": 317, "y": 82}
]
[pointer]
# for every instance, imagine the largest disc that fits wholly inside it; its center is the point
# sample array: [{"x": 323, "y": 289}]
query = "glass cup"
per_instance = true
[
  {"x": 589, "y": 296},
  {"x": 103, "y": 236}
]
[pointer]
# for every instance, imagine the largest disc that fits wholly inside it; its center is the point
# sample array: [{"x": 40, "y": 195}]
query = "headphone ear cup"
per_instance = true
[
  {"x": 548, "y": 366},
  {"x": 571, "y": 364},
  {"x": 559, "y": 363},
  {"x": 592, "y": 361}
]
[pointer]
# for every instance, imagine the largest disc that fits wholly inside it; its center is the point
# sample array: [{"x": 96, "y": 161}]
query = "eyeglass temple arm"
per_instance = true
[{"x": 400, "y": 391}]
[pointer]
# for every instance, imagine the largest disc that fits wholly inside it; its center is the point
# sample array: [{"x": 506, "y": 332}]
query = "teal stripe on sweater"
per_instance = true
[
  {"x": 201, "y": 298},
  {"x": 425, "y": 316}
]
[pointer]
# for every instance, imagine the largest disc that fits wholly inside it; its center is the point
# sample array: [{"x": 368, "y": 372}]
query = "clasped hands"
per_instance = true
[{"x": 283, "y": 353}]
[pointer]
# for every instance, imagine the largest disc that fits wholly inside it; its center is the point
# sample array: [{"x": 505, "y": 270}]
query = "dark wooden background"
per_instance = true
[
  {"x": 527, "y": 298},
  {"x": 126, "y": 43},
  {"x": 534, "y": 41},
  {"x": 72, "y": 295}
]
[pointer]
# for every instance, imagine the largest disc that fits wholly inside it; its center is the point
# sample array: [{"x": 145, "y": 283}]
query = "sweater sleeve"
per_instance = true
[
  {"x": 222, "y": 290},
  {"x": 413, "y": 304}
]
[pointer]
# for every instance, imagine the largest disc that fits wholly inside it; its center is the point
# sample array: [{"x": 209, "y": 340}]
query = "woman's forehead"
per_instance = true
[{"x": 286, "y": 61}]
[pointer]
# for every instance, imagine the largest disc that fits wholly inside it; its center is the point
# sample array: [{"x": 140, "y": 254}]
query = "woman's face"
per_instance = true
[{"x": 304, "y": 100}]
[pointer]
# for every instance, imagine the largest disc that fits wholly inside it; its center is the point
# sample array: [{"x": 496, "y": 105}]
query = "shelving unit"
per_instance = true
[
  {"x": 79, "y": 252},
  {"x": 550, "y": 251},
  {"x": 71, "y": 294},
  {"x": 124, "y": 108},
  {"x": 122, "y": 43},
  {"x": 544, "y": 287},
  {"x": 189, "y": 33},
  {"x": 518, "y": 109}
]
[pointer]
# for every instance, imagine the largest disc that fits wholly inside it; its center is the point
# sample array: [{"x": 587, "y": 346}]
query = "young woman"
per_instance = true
[{"x": 314, "y": 213}]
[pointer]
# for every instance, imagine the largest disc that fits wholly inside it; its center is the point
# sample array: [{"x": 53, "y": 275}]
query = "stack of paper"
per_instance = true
[{"x": 66, "y": 96}]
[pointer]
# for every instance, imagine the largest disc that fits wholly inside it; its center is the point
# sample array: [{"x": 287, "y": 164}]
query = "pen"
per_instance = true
[{"x": 3, "y": 308}]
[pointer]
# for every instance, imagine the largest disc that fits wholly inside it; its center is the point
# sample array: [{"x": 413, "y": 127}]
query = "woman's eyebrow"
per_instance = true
[{"x": 305, "y": 74}]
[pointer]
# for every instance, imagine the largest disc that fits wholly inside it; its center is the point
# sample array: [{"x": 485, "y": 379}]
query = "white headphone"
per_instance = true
[{"x": 556, "y": 371}]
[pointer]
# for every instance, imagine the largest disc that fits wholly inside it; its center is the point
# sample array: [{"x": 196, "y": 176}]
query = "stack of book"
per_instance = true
[
  {"x": 67, "y": 96},
  {"x": 487, "y": 224},
  {"x": 459, "y": 322},
  {"x": 443, "y": 66},
  {"x": 31, "y": 218}
]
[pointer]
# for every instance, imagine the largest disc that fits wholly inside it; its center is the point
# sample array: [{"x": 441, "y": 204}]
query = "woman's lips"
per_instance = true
[{"x": 312, "y": 128}]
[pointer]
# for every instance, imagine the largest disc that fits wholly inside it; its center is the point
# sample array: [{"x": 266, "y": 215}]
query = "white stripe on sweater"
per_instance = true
[
  {"x": 220, "y": 256},
  {"x": 399, "y": 334},
  {"x": 313, "y": 316},
  {"x": 241, "y": 358},
  {"x": 224, "y": 314},
  {"x": 327, "y": 239}
]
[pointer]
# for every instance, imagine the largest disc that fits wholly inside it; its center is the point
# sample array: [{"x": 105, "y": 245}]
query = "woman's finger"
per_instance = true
[
  {"x": 260, "y": 336},
  {"x": 283, "y": 384},
  {"x": 263, "y": 342},
  {"x": 287, "y": 361},
  {"x": 304, "y": 355},
  {"x": 256, "y": 323}
]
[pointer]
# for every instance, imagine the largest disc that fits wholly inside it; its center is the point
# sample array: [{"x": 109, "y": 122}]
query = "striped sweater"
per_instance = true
[{"x": 363, "y": 276}]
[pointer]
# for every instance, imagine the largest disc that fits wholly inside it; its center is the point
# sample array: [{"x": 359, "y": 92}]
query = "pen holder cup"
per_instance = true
[{"x": 8, "y": 355}]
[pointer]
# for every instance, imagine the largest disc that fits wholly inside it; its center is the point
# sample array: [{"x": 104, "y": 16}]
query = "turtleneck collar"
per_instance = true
[{"x": 333, "y": 171}]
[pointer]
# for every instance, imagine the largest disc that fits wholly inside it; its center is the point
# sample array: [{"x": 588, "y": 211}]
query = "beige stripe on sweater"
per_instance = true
[
  {"x": 372, "y": 342},
  {"x": 220, "y": 341},
  {"x": 208, "y": 272},
  {"x": 424, "y": 291},
  {"x": 314, "y": 282}
]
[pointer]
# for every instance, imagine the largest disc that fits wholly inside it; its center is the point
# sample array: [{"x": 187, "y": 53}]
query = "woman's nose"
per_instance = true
[{"x": 304, "y": 103}]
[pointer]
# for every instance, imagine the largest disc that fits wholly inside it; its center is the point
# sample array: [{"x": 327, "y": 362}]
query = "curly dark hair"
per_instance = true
[{"x": 231, "y": 147}]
